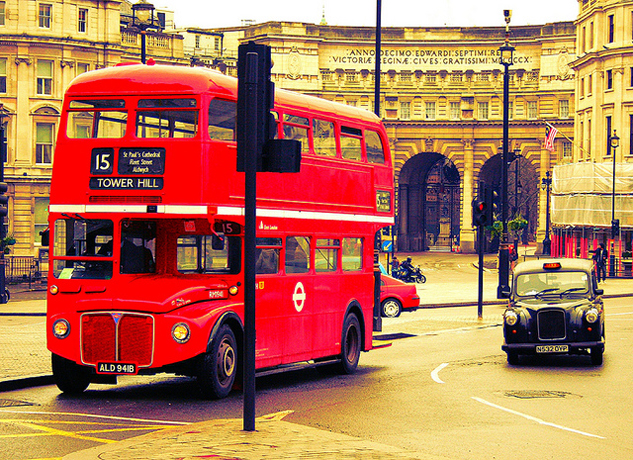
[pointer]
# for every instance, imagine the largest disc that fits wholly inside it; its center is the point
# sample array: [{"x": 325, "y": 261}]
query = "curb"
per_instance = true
[{"x": 26, "y": 382}]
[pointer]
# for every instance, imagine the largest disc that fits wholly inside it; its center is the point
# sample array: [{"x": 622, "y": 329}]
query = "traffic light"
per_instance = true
[
  {"x": 480, "y": 213},
  {"x": 253, "y": 73},
  {"x": 492, "y": 198},
  {"x": 4, "y": 200},
  {"x": 615, "y": 228}
]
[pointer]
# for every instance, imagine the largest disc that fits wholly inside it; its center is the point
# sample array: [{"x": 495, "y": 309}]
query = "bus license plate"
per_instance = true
[
  {"x": 552, "y": 348},
  {"x": 116, "y": 368}
]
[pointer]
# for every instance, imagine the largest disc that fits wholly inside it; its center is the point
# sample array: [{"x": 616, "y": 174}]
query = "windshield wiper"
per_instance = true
[
  {"x": 569, "y": 291},
  {"x": 545, "y": 291}
]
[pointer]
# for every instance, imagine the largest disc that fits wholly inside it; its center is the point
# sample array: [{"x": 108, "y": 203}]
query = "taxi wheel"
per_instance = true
[
  {"x": 351, "y": 345},
  {"x": 391, "y": 308},
  {"x": 217, "y": 368},
  {"x": 70, "y": 378},
  {"x": 596, "y": 356}
]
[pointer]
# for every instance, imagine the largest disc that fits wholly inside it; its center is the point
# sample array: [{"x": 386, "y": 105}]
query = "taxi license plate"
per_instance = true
[
  {"x": 552, "y": 348},
  {"x": 116, "y": 368}
]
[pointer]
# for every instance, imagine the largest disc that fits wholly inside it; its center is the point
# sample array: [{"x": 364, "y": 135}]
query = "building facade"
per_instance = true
[
  {"x": 44, "y": 44},
  {"x": 583, "y": 210},
  {"x": 441, "y": 101}
]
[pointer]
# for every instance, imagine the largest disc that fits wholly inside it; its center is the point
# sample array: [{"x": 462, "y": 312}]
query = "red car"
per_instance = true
[{"x": 396, "y": 296}]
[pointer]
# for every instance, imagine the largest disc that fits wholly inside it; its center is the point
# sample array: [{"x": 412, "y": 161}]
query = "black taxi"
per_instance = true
[{"x": 555, "y": 307}]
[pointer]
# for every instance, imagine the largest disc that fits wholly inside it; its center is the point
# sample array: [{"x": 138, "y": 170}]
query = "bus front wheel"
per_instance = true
[
  {"x": 218, "y": 367},
  {"x": 70, "y": 377},
  {"x": 351, "y": 344}
]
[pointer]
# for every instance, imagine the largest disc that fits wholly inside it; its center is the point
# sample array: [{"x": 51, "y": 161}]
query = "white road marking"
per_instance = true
[
  {"x": 537, "y": 420},
  {"x": 434, "y": 374}
]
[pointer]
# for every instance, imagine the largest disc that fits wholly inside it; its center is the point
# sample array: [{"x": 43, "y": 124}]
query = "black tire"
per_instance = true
[
  {"x": 351, "y": 345},
  {"x": 7, "y": 293},
  {"x": 218, "y": 368},
  {"x": 596, "y": 356},
  {"x": 422, "y": 279},
  {"x": 390, "y": 308},
  {"x": 513, "y": 358},
  {"x": 70, "y": 377}
]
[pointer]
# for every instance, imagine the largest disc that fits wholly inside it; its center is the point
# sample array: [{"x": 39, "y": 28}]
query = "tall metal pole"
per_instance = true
[
  {"x": 250, "y": 202},
  {"x": 547, "y": 243},
  {"x": 3, "y": 156},
  {"x": 378, "y": 51},
  {"x": 506, "y": 52}
]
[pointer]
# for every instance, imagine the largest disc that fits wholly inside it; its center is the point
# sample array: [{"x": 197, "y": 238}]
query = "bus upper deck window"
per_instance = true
[
  {"x": 96, "y": 118},
  {"x": 167, "y": 118},
  {"x": 324, "y": 138},
  {"x": 374, "y": 148},
  {"x": 222, "y": 116},
  {"x": 297, "y": 128},
  {"x": 351, "y": 139}
]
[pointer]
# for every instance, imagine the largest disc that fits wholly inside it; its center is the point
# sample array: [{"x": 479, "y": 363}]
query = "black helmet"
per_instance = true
[{"x": 409, "y": 259}]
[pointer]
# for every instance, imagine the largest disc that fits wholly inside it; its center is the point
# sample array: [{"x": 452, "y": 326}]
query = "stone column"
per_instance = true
[{"x": 467, "y": 233}]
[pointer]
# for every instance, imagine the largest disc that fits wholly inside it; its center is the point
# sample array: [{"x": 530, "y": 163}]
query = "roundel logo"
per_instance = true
[{"x": 299, "y": 296}]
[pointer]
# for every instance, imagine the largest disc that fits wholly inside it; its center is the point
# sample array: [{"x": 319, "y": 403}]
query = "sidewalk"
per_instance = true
[{"x": 26, "y": 362}]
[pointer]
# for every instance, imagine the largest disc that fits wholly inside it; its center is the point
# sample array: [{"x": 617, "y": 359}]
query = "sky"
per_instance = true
[{"x": 395, "y": 13}]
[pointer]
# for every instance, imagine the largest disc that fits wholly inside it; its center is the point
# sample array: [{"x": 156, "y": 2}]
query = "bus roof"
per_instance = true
[{"x": 139, "y": 79}]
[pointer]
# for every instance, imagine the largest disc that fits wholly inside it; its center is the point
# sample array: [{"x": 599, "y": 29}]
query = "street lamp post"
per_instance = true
[
  {"x": 3, "y": 212},
  {"x": 614, "y": 142},
  {"x": 546, "y": 183},
  {"x": 143, "y": 19},
  {"x": 506, "y": 53}
]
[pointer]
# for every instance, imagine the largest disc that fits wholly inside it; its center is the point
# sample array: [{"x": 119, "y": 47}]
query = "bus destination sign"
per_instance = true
[
  {"x": 126, "y": 183},
  {"x": 150, "y": 161}
]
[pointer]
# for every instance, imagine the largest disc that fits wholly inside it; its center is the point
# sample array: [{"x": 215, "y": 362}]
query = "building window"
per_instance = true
[
  {"x": 582, "y": 39},
  {"x": 405, "y": 110},
  {"x": 40, "y": 217},
  {"x": 3, "y": 75},
  {"x": 82, "y": 20},
  {"x": 44, "y": 77},
  {"x": 82, "y": 67},
  {"x": 611, "y": 29},
  {"x": 591, "y": 35},
  {"x": 2, "y": 13},
  {"x": 532, "y": 110},
  {"x": 482, "y": 110},
  {"x": 630, "y": 134},
  {"x": 566, "y": 149},
  {"x": 44, "y": 143},
  {"x": 197, "y": 40},
  {"x": 217, "y": 44},
  {"x": 455, "y": 109},
  {"x": 589, "y": 138},
  {"x": 510, "y": 110},
  {"x": 582, "y": 87},
  {"x": 589, "y": 84},
  {"x": 563, "y": 108},
  {"x": 430, "y": 110},
  {"x": 608, "y": 136},
  {"x": 45, "y": 16},
  {"x": 609, "y": 79}
]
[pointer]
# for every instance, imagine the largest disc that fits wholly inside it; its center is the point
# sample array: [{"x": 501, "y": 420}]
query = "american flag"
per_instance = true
[{"x": 550, "y": 134}]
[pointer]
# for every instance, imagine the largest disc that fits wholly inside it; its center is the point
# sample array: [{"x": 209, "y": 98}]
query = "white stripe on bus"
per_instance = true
[{"x": 223, "y": 211}]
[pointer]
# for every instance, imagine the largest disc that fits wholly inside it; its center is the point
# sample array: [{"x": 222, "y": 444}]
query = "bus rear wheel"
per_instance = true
[
  {"x": 217, "y": 368},
  {"x": 70, "y": 377},
  {"x": 351, "y": 344}
]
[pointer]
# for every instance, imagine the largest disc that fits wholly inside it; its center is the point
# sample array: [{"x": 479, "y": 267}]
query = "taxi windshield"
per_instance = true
[{"x": 555, "y": 283}]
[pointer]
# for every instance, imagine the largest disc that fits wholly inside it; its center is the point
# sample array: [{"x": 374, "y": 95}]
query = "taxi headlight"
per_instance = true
[
  {"x": 61, "y": 328},
  {"x": 592, "y": 315},
  {"x": 510, "y": 317},
  {"x": 180, "y": 333}
]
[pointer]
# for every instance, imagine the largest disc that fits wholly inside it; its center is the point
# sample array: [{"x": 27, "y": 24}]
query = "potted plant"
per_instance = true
[{"x": 6, "y": 243}]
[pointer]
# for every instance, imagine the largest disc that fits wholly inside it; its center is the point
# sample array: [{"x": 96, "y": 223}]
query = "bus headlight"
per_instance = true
[
  {"x": 592, "y": 315},
  {"x": 510, "y": 317},
  {"x": 233, "y": 290},
  {"x": 53, "y": 289},
  {"x": 180, "y": 333},
  {"x": 61, "y": 328}
]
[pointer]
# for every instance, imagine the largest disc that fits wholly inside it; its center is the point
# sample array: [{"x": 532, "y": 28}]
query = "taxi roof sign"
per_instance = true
[{"x": 551, "y": 266}]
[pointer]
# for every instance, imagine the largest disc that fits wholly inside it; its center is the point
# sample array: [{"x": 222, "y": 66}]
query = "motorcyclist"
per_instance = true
[{"x": 407, "y": 268}]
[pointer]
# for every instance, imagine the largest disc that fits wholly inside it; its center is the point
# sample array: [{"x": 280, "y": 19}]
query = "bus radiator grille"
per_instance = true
[{"x": 122, "y": 337}]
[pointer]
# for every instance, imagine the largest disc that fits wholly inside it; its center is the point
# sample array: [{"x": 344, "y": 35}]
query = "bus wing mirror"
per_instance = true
[{"x": 217, "y": 243}]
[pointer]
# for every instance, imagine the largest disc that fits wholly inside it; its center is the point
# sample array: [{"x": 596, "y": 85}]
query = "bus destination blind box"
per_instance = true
[{"x": 273, "y": 155}]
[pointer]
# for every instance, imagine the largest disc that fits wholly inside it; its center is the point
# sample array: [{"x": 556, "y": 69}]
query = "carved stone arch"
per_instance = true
[{"x": 45, "y": 110}]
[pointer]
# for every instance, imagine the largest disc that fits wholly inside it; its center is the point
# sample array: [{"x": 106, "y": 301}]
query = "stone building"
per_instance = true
[
  {"x": 44, "y": 44},
  {"x": 441, "y": 101}
]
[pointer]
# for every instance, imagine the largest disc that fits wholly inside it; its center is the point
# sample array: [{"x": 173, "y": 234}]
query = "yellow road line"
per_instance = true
[{"x": 54, "y": 432}]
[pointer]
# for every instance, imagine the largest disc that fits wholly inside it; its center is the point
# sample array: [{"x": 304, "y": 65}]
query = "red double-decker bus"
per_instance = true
[{"x": 147, "y": 216}]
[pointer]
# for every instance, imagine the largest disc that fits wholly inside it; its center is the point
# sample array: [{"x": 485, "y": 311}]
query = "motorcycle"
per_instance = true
[{"x": 409, "y": 276}]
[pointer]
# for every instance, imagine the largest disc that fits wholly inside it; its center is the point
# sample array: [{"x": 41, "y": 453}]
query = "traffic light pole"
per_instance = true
[{"x": 3, "y": 211}]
